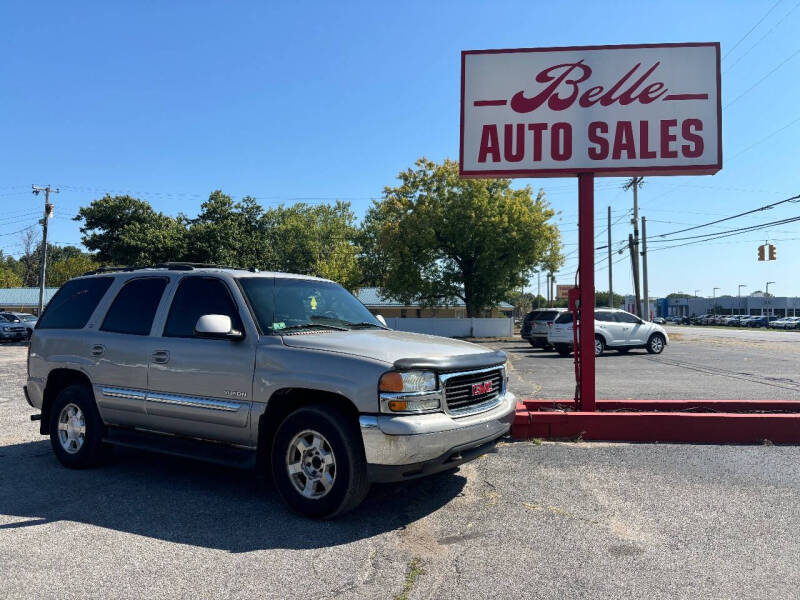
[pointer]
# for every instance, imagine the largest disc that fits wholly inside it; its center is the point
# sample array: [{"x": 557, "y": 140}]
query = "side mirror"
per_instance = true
[
  {"x": 216, "y": 327},
  {"x": 381, "y": 320}
]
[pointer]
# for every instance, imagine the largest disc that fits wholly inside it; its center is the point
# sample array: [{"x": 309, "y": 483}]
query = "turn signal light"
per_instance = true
[{"x": 392, "y": 382}]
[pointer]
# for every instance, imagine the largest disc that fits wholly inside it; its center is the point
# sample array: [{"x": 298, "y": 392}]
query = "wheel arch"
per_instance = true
[
  {"x": 57, "y": 380},
  {"x": 284, "y": 401}
]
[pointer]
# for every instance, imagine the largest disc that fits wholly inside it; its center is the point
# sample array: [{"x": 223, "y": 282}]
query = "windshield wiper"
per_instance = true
[
  {"x": 311, "y": 326},
  {"x": 366, "y": 324}
]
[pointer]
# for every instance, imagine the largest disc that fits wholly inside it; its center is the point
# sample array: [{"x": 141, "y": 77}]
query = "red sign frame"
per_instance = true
[{"x": 708, "y": 169}]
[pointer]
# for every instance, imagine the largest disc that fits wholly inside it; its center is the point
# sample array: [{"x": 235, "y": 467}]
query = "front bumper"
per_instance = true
[{"x": 403, "y": 447}]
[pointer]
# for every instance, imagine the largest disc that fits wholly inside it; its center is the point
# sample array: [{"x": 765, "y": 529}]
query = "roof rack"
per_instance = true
[{"x": 172, "y": 266}]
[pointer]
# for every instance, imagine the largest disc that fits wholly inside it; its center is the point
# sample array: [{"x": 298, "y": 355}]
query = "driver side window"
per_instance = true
[{"x": 195, "y": 297}]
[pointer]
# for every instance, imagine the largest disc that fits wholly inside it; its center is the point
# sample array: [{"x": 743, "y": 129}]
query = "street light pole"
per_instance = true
[
  {"x": 741, "y": 285},
  {"x": 766, "y": 296},
  {"x": 714, "y": 301}
]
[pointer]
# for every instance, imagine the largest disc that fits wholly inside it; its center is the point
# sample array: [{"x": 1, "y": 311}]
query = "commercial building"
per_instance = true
[
  {"x": 780, "y": 306},
  {"x": 24, "y": 299}
]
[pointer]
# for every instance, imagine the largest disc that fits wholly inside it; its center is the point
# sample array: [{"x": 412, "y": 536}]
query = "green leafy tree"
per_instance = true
[
  {"x": 438, "y": 236},
  {"x": 8, "y": 278},
  {"x": 127, "y": 231},
  {"x": 601, "y": 299},
  {"x": 60, "y": 271}
]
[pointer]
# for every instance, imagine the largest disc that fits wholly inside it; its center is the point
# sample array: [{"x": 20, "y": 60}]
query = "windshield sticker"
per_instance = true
[
  {"x": 313, "y": 303},
  {"x": 279, "y": 325}
]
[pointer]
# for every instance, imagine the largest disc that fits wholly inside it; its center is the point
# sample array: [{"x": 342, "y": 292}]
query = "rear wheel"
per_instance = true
[
  {"x": 656, "y": 343},
  {"x": 76, "y": 429},
  {"x": 318, "y": 462},
  {"x": 563, "y": 349}
]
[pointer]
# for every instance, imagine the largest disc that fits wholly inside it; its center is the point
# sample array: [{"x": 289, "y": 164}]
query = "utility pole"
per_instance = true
[
  {"x": 610, "y": 266},
  {"x": 638, "y": 307},
  {"x": 644, "y": 270},
  {"x": 538, "y": 287},
  {"x": 48, "y": 212},
  {"x": 714, "y": 300},
  {"x": 634, "y": 183},
  {"x": 552, "y": 295}
]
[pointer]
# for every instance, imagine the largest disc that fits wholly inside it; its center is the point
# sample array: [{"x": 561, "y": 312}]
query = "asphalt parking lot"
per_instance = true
[{"x": 534, "y": 520}]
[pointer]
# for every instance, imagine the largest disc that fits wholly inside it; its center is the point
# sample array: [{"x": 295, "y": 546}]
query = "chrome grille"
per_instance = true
[{"x": 458, "y": 389}]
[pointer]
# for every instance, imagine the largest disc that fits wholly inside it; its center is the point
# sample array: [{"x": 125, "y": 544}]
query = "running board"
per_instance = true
[{"x": 221, "y": 454}]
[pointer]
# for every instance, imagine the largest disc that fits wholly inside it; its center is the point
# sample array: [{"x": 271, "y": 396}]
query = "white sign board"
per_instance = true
[{"x": 650, "y": 109}]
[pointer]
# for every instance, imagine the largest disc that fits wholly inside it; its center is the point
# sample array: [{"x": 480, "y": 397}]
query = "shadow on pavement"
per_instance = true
[{"x": 194, "y": 503}]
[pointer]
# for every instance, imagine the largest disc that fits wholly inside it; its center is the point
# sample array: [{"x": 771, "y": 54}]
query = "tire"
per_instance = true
[
  {"x": 599, "y": 346},
  {"x": 563, "y": 349},
  {"x": 533, "y": 343},
  {"x": 656, "y": 343},
  {"x": 76, "y": 429},
  {"x": 318, "y": 444}
]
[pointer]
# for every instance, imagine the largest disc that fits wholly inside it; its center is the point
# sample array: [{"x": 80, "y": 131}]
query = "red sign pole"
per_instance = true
[{"x": 586, "y": 285}]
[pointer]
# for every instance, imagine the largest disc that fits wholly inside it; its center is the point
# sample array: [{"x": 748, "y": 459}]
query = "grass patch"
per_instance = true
[{"x": 414, "y": 571}]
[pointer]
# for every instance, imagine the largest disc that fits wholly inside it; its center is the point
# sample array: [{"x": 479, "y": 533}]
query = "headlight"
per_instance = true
[
  {"x": 409, "y": 392},
  {"x": 408, "y": 381}
]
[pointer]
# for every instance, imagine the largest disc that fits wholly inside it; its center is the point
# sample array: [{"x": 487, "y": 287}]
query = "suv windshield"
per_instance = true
[{"x": 286, "y": 305}]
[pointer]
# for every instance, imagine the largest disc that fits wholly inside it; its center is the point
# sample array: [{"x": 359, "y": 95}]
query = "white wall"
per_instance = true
[{"x": 500, "y": 327}]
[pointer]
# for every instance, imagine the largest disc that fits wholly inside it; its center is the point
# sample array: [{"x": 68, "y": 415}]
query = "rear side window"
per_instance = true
[
  {"x": 564, "y": 318},
  {"x": 74, "y": 303},
  {"x": 531, "y": 316},
  {"x": 604, "y": 315},
  {"x": 135, "y": 306},
  {"x": 547, "y": 315},
  {"x": 623, "y": 317},
  {"x": 195, "y": 297}
]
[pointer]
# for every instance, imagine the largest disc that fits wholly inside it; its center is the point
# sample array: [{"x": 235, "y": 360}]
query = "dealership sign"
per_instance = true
[{"x": 651, "y": 109}]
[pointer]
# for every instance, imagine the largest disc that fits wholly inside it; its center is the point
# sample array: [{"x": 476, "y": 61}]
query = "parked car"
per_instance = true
[
  {"x": 11, "y": 328},
  {"x": 286, "y": 373},
  {"x": 540, "y": 324},
  {"x": 28, "y": 321},
  {"x": 613, "y": 329},
  {"x": 659, "y": 320},
  {"x": 761, "y": 321},
  {"x": 525, "y": 328},
  {"x": 786, "y": 323}
]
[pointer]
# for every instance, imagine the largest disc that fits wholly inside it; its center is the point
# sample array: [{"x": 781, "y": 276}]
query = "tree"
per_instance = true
[
  {"x": 127, "y": 231},
  {"x": 601, "y": 299},
  {"x": 438, "y": 237},
  {"x": 8, "y": 278},
  {"x": 59, "y": 272}
]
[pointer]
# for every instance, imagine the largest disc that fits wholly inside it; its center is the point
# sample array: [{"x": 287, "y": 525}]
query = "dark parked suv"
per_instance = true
[{"x": 537, "y": 324}]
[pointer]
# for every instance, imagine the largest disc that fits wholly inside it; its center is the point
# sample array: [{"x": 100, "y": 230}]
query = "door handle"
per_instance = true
[
  {"x": 161, "y": 356},
  {"x": 98, "y": 350}
]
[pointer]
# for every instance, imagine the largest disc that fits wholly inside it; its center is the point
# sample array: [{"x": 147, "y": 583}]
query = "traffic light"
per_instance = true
[
  {"x": 761, "y": 253},
  {"x": 772, "y": 255}
]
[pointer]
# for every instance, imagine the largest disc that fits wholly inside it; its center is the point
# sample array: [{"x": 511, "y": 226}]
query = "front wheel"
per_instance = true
[
  {"x": 318, "y": 462},
  {"x": 656, "y": 343},
  {"x": 563, "y": 349},
  {"x": 599, "y": 345}
]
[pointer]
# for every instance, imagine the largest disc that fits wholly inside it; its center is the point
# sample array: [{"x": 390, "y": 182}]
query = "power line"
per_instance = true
[
  {"x": 761, "y": 39},
  {"x": 731, "y": 231},
  {"x": 783, "y": 62},
  {"x": 792, "y": 199},
  {"x": 749, "y": 31}
]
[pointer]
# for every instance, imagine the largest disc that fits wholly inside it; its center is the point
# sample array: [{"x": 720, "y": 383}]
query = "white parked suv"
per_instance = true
[{"x": 614, "y": 329}]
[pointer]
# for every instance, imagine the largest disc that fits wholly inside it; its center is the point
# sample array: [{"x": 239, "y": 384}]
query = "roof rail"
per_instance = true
[{"x": 172, "y": 266}]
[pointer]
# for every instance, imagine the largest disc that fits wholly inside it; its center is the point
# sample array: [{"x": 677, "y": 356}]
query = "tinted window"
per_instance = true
[
  {"x": 135, "y": 306},
  {"x": 531, "y": 316},
  {"x": 195, "y": 297},
  {"x": 604, "y": 315},
  {"x": 623, "y": 317},
  {"x": 74, "y": 303},
  {"x": 547, "y": 315},
  {"x": 564, "y": 318}
]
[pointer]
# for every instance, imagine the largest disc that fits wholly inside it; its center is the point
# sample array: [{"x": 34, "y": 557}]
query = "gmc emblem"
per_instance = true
[{"x": 485, "y": 387}]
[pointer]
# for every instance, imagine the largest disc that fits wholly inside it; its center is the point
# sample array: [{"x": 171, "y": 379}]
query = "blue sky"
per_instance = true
[{"x": 318, "y": 101}]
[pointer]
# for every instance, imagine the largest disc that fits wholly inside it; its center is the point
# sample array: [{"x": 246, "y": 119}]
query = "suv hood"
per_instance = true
[{"x": 402, "y": 349}]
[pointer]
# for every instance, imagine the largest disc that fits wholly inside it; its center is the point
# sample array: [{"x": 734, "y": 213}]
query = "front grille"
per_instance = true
[{"x": 458, "y": 390}]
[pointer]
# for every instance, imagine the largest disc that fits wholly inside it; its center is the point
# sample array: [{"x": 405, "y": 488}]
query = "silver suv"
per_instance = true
[{"x": 287, "y": 374}]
